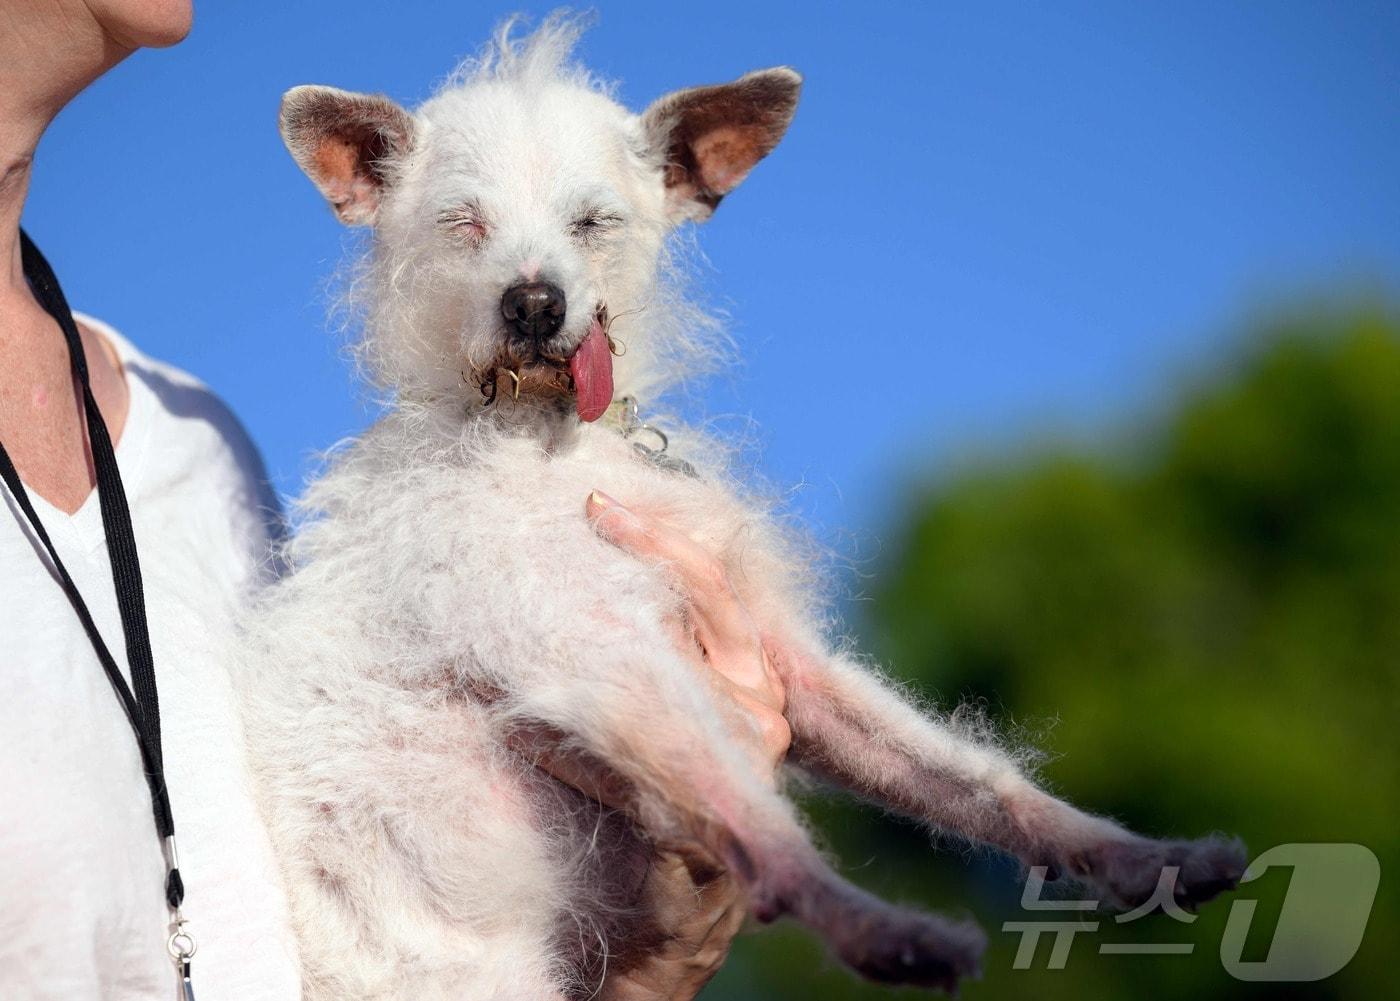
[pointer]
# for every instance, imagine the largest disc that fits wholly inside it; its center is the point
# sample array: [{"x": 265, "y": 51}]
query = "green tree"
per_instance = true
[{"x": 1211, "y": 619}]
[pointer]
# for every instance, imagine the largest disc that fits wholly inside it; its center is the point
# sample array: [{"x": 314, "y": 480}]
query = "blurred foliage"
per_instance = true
[{"x": 1210, "y": 619}]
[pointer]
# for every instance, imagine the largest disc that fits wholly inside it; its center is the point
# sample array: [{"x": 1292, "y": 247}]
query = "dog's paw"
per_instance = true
[
  {"x": 903, "y": 947},
  {"x": 880, "y": 941},
  {"x": 1130, "y": 871}
]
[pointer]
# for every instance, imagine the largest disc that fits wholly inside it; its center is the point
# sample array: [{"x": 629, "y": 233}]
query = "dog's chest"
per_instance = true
[{"x": 537, "y": 499}]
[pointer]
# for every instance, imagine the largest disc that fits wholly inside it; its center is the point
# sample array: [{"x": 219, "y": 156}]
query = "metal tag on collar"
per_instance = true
[{"x": 633, "y": 424}]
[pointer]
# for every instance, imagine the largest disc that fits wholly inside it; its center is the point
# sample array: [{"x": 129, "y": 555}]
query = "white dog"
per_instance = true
[{"x": 448, "y": 605}]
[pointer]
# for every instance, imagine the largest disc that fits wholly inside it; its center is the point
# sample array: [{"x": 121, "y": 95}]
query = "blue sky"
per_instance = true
[{"x": 988, "y": 221}]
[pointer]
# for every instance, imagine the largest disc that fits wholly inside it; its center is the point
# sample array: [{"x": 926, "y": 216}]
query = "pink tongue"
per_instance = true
[{"x": 591, "y": 367}]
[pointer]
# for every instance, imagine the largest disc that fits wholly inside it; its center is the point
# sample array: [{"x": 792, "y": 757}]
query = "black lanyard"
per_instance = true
[{"x": 139, "y": 701}]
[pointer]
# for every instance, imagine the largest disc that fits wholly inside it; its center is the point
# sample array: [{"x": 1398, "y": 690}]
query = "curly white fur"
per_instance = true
[{"x": 446, "y": 590}]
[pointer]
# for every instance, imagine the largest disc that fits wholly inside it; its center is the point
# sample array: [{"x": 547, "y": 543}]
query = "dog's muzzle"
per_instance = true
[{"x": 536, "y": 310}]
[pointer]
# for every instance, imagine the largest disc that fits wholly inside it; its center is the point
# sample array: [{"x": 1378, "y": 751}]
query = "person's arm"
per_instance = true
[{"x": 696, "y": 905}]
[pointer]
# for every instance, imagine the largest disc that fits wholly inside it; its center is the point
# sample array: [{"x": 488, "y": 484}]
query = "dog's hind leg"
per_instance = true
[
  {"x": 853, "y": 728},
  {"x": 644, "y": 732}
]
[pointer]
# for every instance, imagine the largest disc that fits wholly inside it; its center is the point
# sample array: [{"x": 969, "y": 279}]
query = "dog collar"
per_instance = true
[{"x": 624, "y": 416}]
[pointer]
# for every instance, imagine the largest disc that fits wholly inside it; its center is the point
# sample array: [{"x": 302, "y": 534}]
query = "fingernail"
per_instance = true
[{"x": 607, "y": 512}]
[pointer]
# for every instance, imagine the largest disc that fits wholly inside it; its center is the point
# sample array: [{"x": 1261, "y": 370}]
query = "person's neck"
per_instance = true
[{"x": 48, "y": 53}]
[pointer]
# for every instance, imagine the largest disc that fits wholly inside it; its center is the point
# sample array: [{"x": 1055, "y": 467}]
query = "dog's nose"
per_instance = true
[{"x": 536, "y": 309}]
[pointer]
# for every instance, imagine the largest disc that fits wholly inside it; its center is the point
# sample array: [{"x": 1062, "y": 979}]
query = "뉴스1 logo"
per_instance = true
[{"x": 1320, "y": 925}]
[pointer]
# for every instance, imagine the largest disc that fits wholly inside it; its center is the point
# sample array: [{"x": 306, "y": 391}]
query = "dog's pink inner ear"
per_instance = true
[
  {"x": 346, "y": 143},
  {"x": 713, "y": 136}
]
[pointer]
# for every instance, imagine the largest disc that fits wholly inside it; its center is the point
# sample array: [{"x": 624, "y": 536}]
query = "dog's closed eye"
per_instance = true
[
  {"x": 464, "y": 223},
  {"x": 592, "y": 224}
]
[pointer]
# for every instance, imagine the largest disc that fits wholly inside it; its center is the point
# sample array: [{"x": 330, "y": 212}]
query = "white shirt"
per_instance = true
[{"x": 82, "y": 910}]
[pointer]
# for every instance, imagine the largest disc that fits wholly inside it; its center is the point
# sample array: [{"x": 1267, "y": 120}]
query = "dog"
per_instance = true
[{"x": 449, "y": 618}]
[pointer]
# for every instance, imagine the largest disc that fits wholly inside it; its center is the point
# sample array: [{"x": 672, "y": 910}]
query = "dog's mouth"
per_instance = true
[{"x": 586, "y": 373}]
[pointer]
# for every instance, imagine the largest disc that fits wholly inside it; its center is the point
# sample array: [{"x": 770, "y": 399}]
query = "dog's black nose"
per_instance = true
[{"x": 536, "y": 309}]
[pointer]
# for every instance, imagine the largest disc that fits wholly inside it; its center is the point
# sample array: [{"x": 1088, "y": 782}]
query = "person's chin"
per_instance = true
[{"x": 154, "y": 24}]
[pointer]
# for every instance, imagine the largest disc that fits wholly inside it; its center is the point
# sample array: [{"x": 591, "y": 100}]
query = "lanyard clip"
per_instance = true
[
  {"x": 182, "y": 947},
  {"x": 181, "y": 944}
]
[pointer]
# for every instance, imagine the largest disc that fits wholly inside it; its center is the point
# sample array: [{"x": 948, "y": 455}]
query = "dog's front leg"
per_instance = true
[
  {"x": 852, "y": 727},
  {"x": 644, "y": 732}
]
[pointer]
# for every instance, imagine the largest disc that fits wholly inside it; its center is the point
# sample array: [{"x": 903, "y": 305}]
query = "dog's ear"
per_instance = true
[
  {"x": 346, "y": 143},
  {"x": 711, "y": 137}
]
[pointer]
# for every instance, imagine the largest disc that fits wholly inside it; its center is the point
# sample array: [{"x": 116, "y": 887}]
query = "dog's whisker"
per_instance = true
[{"x": 614, "y": 317}]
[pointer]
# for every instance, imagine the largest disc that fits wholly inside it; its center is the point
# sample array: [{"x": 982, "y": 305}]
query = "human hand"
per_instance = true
[
  {"x": 696, "y": 906},
  {"x": 717, "y": 634}
]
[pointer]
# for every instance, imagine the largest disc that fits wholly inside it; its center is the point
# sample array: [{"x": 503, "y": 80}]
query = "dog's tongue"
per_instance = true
[{"x": 591, "y": 367}]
